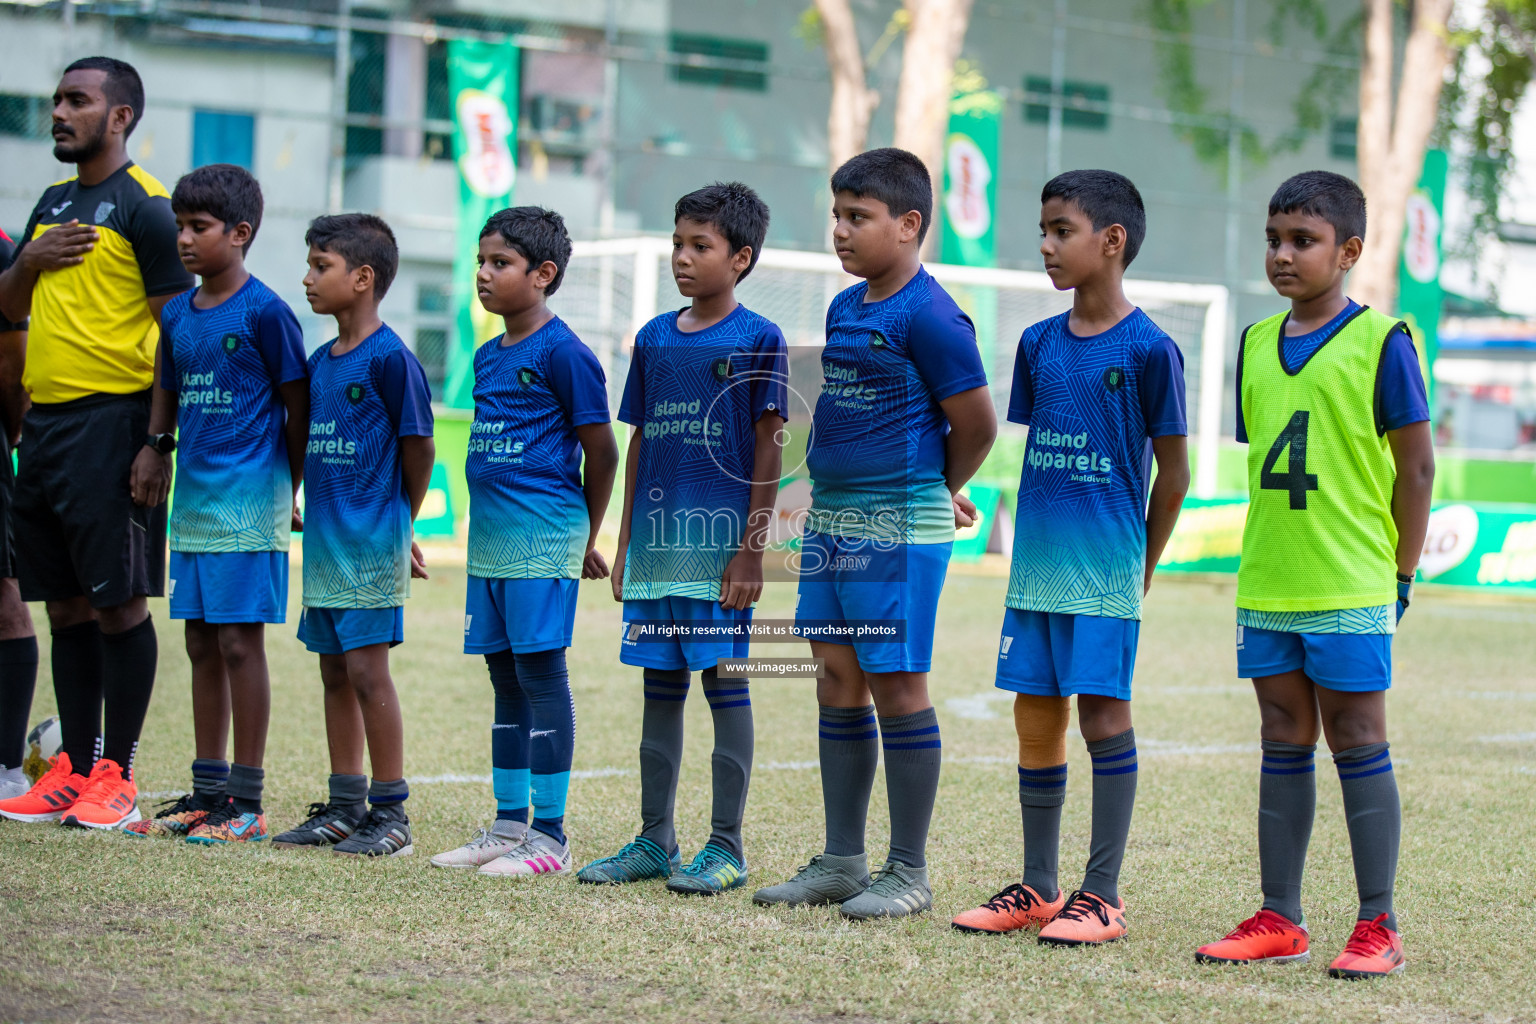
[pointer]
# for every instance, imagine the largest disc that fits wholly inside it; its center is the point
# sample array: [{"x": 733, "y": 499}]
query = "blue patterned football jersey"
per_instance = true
[
  {"x": 876, "y": 450},
  {"x": 224, "y": 364},
  {"x": 696, "y": 398},
  {"x": 357, "y": 518},
  {"x": 1092, "y": 405},
  {"x": 527, "y": 512}
]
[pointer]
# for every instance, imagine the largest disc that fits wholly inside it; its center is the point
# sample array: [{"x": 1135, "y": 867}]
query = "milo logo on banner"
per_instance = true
[
  {"x": 967, "y": 205},
  {"x": 485, "y": 130}
]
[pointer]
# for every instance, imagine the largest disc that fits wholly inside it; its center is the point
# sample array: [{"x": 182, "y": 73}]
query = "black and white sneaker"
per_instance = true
[
  {"x": 381, "y": 834},
  {"x": 327, "y": 825}
]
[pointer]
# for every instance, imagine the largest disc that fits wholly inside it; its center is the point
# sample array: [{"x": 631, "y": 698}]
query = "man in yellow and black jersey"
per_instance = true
[
  {"x": 95, "y": 266},
  {"x": 18, "y": 643}
]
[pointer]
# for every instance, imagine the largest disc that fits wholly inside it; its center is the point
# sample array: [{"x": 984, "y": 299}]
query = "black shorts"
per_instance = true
[
  {"x": 7, "y": 497},
  {"x": 77, "y": 529}
]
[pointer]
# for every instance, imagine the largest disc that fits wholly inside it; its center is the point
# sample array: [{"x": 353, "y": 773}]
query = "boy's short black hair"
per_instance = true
[
  {"x": 537, "y": 235},
  {"x": 1105, "y": 198},
  {"x": 122, "y": 86},
  {"x": 225, "y": 191},
  {"x": 735, "y": 210},
  {"x": 895, "y": 177},
  {"x": 1333, "y": 197},
  {"x": 362, "y": 240}
]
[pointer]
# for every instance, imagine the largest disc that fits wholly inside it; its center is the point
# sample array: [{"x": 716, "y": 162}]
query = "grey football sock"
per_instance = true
[
  {"x": 913, "y": 756},
  {"x": 849, "y": 749},
  {"x": 244, "y": 787},
  {"x": 730, "y": 706},
  {"x": 1114, "y": 797},
  {"x": 350, "y": 793},
  {"x": 1042, "y": 791},
  {"x": 1287, "y": 804},
  {"x": 210, "y": 781},
  {"x": 507, "y": 828},
  {"x": 1375, "y": 824},
  {"x": 661, "y": 753}
]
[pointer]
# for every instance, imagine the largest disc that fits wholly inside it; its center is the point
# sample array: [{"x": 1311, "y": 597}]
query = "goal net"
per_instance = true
[{"x": 612, "y": 287}]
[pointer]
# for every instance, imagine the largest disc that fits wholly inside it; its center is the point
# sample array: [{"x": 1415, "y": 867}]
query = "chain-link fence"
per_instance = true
[{"x": 627, "y": 104}]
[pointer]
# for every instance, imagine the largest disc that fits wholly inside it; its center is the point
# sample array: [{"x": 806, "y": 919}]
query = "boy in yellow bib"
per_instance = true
[{"x": 1332, "y": 405}]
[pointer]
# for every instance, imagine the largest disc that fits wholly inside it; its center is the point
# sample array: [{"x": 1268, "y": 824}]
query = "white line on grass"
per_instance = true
[
  {"x": 1500, "y": 695},
  {"x": 1509, "y": 737}
]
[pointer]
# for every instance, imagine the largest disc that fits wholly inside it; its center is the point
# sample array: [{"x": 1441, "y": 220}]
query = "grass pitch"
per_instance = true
[{"x": 102, "y": 927}]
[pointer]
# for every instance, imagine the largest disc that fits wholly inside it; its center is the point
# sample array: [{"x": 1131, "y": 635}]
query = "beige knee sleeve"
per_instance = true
[{"x": 1041, "y": 723}]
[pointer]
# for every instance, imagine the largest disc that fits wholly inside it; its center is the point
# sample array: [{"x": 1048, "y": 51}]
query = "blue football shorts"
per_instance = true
[
  {"x": 339, "y": 630},
  {"x": 1351, "y": 662},
  {"x": 1050, "y": 654},
  {"x": 857, "y": 582},
  {"x": 521, "y": 616},
  {"x": 224, "y": 587},
  {"x": 682, "y": 632}
]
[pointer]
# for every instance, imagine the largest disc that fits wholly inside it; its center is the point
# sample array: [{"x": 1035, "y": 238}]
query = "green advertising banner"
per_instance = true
[
  {"x": 1468, "y": 545},
  {"x": 970, "y": 180},
  {"x": 1418, "y": 292},
  {"x": 483, "y": 81}
]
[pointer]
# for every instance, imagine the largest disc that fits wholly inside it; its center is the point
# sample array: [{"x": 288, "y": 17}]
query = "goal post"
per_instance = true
[{"x": 614, "y": 286}]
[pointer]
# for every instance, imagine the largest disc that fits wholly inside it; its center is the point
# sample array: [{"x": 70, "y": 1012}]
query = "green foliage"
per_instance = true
[
  {"x": 1207, "y": 129},
  {"x": 1493, "y": 65}
]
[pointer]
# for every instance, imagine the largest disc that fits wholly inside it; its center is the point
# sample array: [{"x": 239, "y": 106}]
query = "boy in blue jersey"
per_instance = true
[
  {"x": 232, "y": 355},
  {"x": 366, "y": 470},
  {"x": 541, "y": 408},
  {"x": 903, "y": 421},
  {"x": 1341, "y": 465},
  {"x": 706, "y": 393},
  {"x": 1101, "y": 389}
]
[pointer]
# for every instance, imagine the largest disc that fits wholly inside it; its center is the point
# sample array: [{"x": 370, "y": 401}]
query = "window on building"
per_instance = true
[
  {"x": 728, "y": 49},
  {"x": 434, "y": 305},
  {"x": 1343, "y": 138},
  {"x": 1082, "y": 103},
  {"x": 26, "y": 117},
  {"x": 223, "y": 137}
]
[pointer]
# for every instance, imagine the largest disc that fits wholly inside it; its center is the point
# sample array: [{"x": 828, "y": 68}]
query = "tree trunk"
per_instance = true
[
  {"x": 853, "y": 101},
  {"x": 934, "y": 38},
  {"x": 1391, "y": 145}
]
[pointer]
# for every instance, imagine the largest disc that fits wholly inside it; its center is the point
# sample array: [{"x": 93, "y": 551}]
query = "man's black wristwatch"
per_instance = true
[{"x": 162, "y": 443}]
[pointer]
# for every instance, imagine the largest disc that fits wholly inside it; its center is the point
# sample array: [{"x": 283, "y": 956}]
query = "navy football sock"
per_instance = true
[
  {"x": 350, "y": 794},
  {"x": 245, "y": 786},
  {"x": 661, "y": 753},
  {"x": 551, "y": 736},
  {"x": 730, "y": 706},
  {"x": 509, "y": 739},
  {"x": 389, "y": 796},
  {"x": 209, "y": 781}
]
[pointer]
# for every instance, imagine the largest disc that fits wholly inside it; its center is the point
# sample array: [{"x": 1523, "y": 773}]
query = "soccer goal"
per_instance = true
[{"x": 612, "y": 287}]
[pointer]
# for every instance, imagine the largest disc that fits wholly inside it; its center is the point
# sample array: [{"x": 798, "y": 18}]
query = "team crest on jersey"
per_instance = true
[
  {"x": 877, "y": 340},
  {"x": 1114, "y": 379},
  {"x": 231, "y": 344},
  {"x": 526, "y": 375},
  {"x": 354, "y": 393},
  {"x": 722, "y": 368},
  {"x": 104, "y": 210}
]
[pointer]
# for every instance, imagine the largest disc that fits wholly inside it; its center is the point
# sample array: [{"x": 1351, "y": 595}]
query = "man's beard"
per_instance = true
[{"x": 75, "y": 150}]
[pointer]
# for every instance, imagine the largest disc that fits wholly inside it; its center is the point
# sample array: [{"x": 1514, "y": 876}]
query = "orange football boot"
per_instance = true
[
  {"x": 52, "y": 795},
  {"x": 1086, "y": 920},
  {"x": 1373, "y": 951},
  {"x": 1018, "y": 906},
  {"x": 1266, "y": 937},
  {"x": 109, "y": 799}
]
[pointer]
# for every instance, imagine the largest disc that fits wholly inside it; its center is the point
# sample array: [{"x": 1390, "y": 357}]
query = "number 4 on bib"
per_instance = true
[{"x": 1295, "y": 480}]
